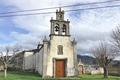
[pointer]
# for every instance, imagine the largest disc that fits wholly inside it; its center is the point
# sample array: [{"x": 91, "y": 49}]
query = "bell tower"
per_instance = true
[
  {"x": 62, "y": 58},
  {"x": 59, "y": 14},
  {"x": 59, "y": 26}
]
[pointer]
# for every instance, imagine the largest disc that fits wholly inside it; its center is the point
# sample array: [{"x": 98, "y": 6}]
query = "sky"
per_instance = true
[{"x": 88, "y": 27}]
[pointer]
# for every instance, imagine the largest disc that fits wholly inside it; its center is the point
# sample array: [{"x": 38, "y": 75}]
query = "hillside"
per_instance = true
[{"x": 88, "y": 60}]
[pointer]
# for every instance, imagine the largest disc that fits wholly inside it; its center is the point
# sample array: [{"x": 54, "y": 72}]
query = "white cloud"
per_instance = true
[{"x": 26, "y": 40}]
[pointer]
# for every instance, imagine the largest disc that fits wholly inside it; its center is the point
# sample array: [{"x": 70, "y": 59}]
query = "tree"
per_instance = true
[
  {"x": 116, "y": 38},
  {"x": 104, "y": 54},
  {"x": 6, "y": 55}
]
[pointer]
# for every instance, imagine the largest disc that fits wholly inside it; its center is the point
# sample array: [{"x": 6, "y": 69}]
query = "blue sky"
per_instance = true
[
  {"x": 88, "y": 27},
  {"x": 7, "y": 25}
]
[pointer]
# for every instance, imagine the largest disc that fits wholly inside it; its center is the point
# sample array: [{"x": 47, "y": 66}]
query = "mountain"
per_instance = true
[{"x": 87, "y": 60}]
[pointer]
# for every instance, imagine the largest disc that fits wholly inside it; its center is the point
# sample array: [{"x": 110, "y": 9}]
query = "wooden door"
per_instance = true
[{"x": 60, "y": 68}]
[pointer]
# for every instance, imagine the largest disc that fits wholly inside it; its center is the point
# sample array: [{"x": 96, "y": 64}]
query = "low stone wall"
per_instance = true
[
  {"x": 1, "y": 68},
  {"x": 99, "y": 71},
  {"x": 93, "y": 69},
  {"x": 115, "y": 71}
]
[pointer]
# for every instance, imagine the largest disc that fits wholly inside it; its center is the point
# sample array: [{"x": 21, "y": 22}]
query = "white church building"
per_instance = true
[{"x": 55, "y": 57}]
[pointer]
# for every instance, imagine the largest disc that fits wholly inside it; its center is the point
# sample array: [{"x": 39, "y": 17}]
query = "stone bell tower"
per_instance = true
[
  {"x": 59, "y": 26},
  {"x": 61, "y": 57}
]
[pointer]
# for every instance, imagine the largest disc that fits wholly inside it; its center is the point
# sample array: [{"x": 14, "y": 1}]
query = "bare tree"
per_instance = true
[
  {"x": 6, "y": 55},
  {"x": 104, "y": 54},
  {"x": 116, "y": 38}
]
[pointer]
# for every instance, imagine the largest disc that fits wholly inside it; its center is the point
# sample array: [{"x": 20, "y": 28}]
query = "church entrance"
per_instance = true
[{"x": 60, "y": 66}]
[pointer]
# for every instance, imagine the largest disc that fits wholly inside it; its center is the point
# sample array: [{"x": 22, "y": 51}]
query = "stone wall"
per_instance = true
[
  {"x": 39, "y": 61},
  {"x": 28, "y": 61},
  {"x": 68, "y": 52},
  {"x": 1, "y": 68}
]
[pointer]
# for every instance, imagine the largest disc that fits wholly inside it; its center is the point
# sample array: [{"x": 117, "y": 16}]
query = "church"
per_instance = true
[{"x": 56, "y": 56}]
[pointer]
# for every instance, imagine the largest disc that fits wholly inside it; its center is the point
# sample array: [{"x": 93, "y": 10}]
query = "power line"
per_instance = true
[
  {"x": 27, "y": 14},
  {"x": 61, "y": 7},
  {"x": 112, "y": 6},
  {"x": 91, "y": 8}
]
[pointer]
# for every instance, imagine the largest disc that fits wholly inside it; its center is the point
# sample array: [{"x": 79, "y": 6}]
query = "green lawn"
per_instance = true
[
  {"x": 32, "y": 76},
  {"x": 97, "y": 77},
  {"x": 20, "y": 76}
]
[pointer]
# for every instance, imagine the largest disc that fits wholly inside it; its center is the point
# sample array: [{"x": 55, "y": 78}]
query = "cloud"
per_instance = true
[
  {"x": 91, "y": 26},
  {"x": 88, "y": 27},
  {"x": 27, "y": 41}
]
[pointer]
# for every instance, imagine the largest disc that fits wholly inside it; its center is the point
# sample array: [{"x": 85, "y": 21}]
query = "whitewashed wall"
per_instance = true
[
  {"x": 1, "y": 67},
  {"x": 68, "y": 52},
  {"x": 39, "y": 61},
  {"x": 28, "y": 60}
]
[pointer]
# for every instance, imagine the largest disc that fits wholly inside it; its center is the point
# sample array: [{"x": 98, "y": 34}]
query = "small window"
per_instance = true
[{"x": 60, "y": 49}]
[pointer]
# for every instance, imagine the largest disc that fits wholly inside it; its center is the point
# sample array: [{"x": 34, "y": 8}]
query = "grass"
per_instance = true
[
  {"x": 98, "y": 77},
  {"x": 13, "y": 75},
  {"x": 32, "y": 76}
]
